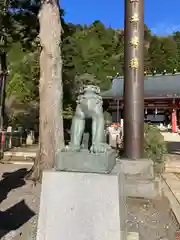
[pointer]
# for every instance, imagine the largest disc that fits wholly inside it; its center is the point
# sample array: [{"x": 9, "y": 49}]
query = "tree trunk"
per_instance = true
[{"x": 51, "y": 136}]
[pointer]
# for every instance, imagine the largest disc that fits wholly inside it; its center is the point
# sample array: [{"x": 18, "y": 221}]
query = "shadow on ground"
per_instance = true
[
  {"x": 10, "y": 181},
  {"x": 20, "y": 213}
]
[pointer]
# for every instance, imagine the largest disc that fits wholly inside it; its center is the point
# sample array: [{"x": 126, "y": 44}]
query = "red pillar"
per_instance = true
[{"x": 174, "y": 121}]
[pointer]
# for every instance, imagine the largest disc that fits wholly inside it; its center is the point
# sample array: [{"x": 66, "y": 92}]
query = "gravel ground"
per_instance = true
[
  {"x": 153, "y": 220},
  {"x": 19, "y": 203}
]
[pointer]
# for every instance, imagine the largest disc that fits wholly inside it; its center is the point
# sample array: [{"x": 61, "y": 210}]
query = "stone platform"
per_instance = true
[
  {"x": 82, "y": 206},
  {"x": 140, "y": 180},
  {"x": 84, "y": 161}
]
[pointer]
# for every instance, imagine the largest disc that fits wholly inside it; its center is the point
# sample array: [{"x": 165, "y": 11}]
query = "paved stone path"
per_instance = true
[
  {"x": 173, "y": 156},
  {"x": 171, "y": 179},
  {"x": 171, "y": 188},
  {"x": 24, "y": 150},
  {"x": 21, "y": 155}
]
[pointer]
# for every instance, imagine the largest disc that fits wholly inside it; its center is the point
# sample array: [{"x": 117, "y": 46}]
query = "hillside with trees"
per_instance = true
[{"x": 90, "y": 54}]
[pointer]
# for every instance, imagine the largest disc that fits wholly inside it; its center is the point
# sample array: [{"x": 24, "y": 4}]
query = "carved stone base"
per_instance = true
[
  {"x": 140, "y": 180},
  {"x": 84, "y": 161}
]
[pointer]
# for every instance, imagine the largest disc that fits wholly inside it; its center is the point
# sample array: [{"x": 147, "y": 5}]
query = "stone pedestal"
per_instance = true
[
  {"x": 84, "y": 161},
  {"x": 140, "y": 180},
  {"x": 82, "y": 206}
]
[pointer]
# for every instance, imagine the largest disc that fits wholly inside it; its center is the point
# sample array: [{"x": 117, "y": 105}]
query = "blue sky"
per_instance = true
[{"x": 161, "y": 16}]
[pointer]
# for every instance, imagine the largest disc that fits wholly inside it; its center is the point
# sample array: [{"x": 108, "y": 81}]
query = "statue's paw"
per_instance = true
[
  {"x": 72, "y": 148},
  {"x": 98, "y": 148}
]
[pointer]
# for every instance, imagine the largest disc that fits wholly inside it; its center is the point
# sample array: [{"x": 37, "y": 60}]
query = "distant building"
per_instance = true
[{"x": 161, "y": 99}]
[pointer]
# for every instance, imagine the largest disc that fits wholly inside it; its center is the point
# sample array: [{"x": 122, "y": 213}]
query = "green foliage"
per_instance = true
[
  {"x": 169, "y": 54},
  {"x": 18, "y": 22},
  {"x": 99, "y": 52},
  {"x": 22, "y": 93},
  {"x": 94, "y": 50},
  {"x": 24, "y": 76},
  {"x": 154, "y": 145},
  {"x": 154, "y": 54},
  {"x": 176, "y": 37}
]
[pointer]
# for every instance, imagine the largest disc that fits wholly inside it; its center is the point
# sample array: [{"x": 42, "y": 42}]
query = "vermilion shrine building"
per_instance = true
[{"x": 161, "y": 99}]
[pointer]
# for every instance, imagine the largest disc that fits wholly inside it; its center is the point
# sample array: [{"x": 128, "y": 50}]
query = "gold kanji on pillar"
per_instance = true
[
  {"x": 134, "y": 63},
  {"x": 134, "y": 18},
  {"x": 135, "y": 41}
]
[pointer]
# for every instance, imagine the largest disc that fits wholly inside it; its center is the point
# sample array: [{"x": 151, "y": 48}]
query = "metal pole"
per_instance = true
[{"x": 134, "y": 79}]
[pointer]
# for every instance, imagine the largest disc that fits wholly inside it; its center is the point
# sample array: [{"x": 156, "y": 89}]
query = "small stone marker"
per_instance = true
[
  {"x": 9, "y": 130},
  {"x": 30, "y": 138}
]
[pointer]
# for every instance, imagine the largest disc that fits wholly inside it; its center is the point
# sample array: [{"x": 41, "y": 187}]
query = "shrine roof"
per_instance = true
[{"x": 158, "y": 86}]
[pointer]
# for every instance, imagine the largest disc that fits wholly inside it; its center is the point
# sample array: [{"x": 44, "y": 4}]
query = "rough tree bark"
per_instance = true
[{"x": 51, "y": 137}]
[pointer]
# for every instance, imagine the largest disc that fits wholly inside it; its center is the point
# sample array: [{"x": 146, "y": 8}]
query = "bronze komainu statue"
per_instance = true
[{"x": 89, "y": 105}]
